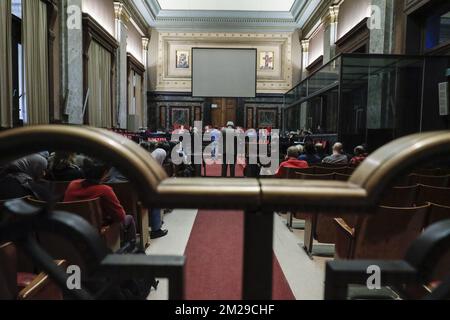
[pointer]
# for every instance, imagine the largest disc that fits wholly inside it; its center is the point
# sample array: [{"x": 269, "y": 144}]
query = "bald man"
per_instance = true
[{"x": 338, "y": 157}]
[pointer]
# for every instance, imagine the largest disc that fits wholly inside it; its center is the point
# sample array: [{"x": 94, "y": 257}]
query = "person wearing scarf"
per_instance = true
[
  {"x": 156, "y": 231},
  {"x": 23, "y": 178}
]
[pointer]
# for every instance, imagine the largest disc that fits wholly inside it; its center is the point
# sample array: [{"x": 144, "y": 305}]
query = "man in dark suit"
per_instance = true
[{"x": 229, "y": 147}]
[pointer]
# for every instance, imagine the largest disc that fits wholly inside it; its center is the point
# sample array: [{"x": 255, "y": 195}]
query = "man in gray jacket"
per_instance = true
[{"x": 338, "y": 157}]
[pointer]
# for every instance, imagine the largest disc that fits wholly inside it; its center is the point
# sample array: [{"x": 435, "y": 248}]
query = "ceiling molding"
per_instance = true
[
  {"x": 222, "y": 20},
  {"x": 137, "y": 16}
]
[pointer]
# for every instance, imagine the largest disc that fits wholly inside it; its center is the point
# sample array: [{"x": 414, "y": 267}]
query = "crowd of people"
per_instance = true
[
  {"x": 87, "y": 178},
  {"x": 310, "y": 154},
  {"x": 32, "y": 176}
]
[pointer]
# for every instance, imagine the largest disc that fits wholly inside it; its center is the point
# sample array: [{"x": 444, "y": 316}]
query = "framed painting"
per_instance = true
[
  {"x": 183, "y": 61},
  {"x": 266, "y": 60},
  {"x": 267, "y": 118},
  {"x": 180, "y": 117}
]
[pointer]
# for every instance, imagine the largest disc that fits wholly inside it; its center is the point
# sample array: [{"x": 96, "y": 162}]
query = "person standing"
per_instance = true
[{"x": 229, "y": 147}]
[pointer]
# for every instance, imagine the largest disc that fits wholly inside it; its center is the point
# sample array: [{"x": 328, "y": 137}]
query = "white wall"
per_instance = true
[
  {"x": 351, "y": 12},
  {"x": 134, "y": 42},
  {"x": 316, "y": 46},
  {"x": 102, "y": 11}
]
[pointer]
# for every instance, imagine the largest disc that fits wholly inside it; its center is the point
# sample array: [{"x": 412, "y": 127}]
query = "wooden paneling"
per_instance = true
[
  {"x": 250, "y": 116},
  {"x": 197, "y": 114},
  {"x": 414, "y": 5},
  {"x": 355, "y": 39},
  {"x": 163, "y": 117}
]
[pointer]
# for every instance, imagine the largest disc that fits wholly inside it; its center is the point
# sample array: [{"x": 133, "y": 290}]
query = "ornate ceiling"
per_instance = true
[
  {"x": 229, "y": 15},
  {"x": 229, "y": 5}
]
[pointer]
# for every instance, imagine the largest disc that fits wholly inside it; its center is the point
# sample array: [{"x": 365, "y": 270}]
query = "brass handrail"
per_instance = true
[
  {"x": 257, "y": 197},
  {"x": 155, "y": 188}
]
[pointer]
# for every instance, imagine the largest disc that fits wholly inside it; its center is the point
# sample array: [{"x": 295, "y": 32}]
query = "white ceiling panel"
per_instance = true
[{"x": 227, "y": 5}]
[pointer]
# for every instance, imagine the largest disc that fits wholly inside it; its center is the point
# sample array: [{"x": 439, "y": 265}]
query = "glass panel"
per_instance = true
[
  {"x": 293, "y": 118},
  {"x": 437, "y": 28},
  {"x": 381, "y": 98},
  {"x": 320, "y": 114},
  {"x": 325, "y": 77}
]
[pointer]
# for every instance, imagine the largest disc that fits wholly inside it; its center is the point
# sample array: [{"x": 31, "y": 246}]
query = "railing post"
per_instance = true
[{"x": 258, "y": 255}]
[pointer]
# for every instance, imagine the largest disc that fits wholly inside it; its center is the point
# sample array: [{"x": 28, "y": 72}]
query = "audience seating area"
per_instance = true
[
  {"x": 128, "y": 199},
  {"x": 406, "y": 209},
  {"x": 18, "y": 281},
  {"x": 91, "y": 211}
]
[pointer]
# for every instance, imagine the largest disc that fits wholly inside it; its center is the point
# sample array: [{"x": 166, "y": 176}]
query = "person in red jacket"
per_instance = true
[
  {"x": 92, "y": 188},
  {"x": 291, "y": 162}
]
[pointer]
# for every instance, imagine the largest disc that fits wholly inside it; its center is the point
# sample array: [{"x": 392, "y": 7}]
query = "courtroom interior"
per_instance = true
[{"x": 224, "y": 150}]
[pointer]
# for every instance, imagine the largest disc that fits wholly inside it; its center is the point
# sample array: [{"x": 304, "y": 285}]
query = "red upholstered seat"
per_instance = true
[{"x": 24, "y": 279}]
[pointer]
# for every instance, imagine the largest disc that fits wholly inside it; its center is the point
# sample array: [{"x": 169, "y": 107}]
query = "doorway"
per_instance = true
[{"x": 222, "y": 111}]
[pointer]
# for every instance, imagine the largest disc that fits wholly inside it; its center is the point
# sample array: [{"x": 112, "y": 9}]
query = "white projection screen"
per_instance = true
[{"x": 218, "y": 72}]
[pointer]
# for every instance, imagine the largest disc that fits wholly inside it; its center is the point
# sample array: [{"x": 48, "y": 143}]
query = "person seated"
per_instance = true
[
  {"x": 93, "y": 187},
  {"x": 338, "y": 157},
  {"x": 63, "y": 167},
  {"x": 160, "y": 155},
  {"x": 320, "y": 151},
  {"x": 310, "y": 154},
  {"x": 360, "y": 156},
  {"x": 24, "y": 177},
  {"x": 291, "y": 162}
]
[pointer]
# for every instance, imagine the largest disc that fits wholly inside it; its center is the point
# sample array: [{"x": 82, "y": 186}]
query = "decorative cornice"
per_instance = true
[
  {"x": 145, "y": 42},
  {"x": 319, "y": 15},
  {"x": 137, "y": 16},
  {"x": 334, "y": 14},
  {"x": 305, "y": 45},
  {"x": 121, "y": 12}
]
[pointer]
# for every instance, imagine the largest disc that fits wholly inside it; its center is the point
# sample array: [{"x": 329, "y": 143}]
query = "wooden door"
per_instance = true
[{"x": 224, "y": 112}]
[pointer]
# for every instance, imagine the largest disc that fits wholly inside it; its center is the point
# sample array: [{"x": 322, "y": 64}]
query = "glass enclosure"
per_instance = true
[{"x": 364, "y": 98}]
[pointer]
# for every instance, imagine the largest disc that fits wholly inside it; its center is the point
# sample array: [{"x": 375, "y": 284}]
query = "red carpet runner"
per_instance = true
[
  {"x": 215, "y": 170},
  {"x": 214, "y": 259}
]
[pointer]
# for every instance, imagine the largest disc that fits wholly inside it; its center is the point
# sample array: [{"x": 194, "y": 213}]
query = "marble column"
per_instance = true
[
  {"x": 72, "y": 60},
  {"x": 145, "y": 87},
  {"x": 121, "y": 34},
  {"x": 305, "y": 57},
  {"x": 380, "y": 25}
]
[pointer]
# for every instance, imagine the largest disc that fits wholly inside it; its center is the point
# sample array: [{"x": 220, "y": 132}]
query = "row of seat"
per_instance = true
[
  {"x": 20, "y": 281},
  {"x": 318, "y": 172},
  {"x": 344, "y": 173},
  {"x": 403, "y": 214},
  {"x": 91, "y": 211},
  {"x": 129, "y": 201}
]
